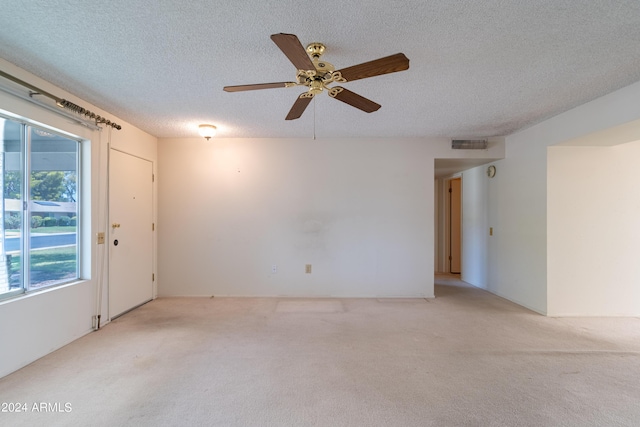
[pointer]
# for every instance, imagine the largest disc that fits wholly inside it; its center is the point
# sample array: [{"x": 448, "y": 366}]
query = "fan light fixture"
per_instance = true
[{"x": 207, "y": 131}]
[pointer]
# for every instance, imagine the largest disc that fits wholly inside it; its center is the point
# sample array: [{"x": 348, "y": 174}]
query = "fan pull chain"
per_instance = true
[{"x": 314, "y": 118}]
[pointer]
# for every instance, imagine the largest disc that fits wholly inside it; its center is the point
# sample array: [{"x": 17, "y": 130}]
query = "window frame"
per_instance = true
[{"x": 27, "y": 127}]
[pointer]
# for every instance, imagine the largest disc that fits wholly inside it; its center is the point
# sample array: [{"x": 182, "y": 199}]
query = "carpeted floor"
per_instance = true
[{"x": 465, "y": 358}]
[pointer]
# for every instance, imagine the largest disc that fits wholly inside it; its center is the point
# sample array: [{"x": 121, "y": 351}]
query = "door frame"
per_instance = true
[{"x": 442, "y": 223}]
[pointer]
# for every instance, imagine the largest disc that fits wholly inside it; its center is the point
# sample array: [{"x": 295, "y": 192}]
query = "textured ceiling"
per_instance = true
[{"x": 478, "y": 68}]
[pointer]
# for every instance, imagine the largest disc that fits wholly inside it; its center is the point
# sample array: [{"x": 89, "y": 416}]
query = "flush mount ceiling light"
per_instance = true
[{"x": 207, "y": 131}]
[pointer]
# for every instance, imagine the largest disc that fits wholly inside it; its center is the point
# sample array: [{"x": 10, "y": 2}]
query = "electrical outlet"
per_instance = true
[
  {"x": 307, "y": 268},
  {"x": 101, "y": 238},
  {"x": 274, "y": 269}
]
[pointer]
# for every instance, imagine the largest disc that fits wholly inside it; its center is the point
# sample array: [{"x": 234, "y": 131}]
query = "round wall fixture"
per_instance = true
[{"x": 491, "y": 171}]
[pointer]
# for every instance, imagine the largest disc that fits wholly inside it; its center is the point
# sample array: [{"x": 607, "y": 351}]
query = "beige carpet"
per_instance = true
[{"x": 466, "y": 358}]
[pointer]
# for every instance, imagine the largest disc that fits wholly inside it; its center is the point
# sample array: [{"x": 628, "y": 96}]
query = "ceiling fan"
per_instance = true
[{"x": 317, "y": 75}]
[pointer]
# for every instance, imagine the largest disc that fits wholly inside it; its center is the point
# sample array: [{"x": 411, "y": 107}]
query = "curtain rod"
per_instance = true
[
  {"x": 60, "y": 102},
  {"x": 49, "y": 107}
]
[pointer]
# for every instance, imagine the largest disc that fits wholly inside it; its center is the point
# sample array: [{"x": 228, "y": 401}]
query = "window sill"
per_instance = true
[{"x": 36, "y": 292}]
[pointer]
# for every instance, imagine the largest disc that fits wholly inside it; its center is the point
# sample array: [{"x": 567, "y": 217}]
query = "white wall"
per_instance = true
[
  {"x": 32, "y": 326},
  {"x": 517, "y": 196},
  {"x": 359, "y": 211},
  {"x": 517, "y": 213},
  {"x": 475, "y": 226},
  {"x": 594, "y": 232}
]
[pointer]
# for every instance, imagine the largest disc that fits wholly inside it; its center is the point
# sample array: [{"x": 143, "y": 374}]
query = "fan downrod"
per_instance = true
[{"x": 315, "y": 50}]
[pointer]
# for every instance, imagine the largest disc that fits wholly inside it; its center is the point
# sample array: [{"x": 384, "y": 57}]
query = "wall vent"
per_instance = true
[{"x": 469, "y": 144}]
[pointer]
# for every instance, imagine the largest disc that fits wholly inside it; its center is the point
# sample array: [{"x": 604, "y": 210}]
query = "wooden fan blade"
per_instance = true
[
  {"x": 353, "y": 99},
  {"x": 293, "y": 49},
  {"x": 377, "y": 67},
  {"x": 298, "y": 108},
  {"x": 240, "y": 88}
]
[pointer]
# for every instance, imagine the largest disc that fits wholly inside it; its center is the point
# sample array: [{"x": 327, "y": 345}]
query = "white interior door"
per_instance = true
[{"x": 131, "y": 233}]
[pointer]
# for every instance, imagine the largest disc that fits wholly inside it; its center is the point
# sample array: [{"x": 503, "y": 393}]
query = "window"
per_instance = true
[{"x": 39, "y": 224}]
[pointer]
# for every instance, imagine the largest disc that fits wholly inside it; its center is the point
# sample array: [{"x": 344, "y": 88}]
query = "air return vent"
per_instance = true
[{"x": 469, "y": 144}]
